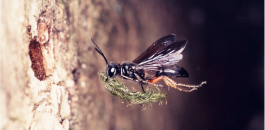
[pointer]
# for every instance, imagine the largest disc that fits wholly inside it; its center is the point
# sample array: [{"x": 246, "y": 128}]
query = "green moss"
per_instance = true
[{"x": 116, "y": 88}]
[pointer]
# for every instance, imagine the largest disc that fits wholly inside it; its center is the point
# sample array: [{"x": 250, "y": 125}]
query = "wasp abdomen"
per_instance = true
[{"x": 172, "y": 71}]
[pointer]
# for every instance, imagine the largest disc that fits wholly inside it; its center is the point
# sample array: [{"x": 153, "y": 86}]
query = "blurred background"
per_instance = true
[{"x": 225, "y": 48}]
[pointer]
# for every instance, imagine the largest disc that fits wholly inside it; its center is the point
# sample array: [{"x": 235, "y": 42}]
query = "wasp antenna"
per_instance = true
[{"x": 100, "y": 52}]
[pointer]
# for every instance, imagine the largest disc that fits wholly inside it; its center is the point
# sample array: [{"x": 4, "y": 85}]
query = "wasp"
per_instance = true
[{"x": 158, "y": 62}]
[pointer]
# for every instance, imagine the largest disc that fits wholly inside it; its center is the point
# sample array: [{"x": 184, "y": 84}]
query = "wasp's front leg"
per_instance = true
[{"x": 126, "y": 77}]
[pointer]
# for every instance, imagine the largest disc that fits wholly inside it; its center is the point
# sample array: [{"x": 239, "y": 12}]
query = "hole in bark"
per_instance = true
[{"x": 36, "y": 58}]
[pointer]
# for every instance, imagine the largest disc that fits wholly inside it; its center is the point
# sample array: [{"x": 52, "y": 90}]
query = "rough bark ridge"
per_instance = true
[{"x": 37, "y": 58}]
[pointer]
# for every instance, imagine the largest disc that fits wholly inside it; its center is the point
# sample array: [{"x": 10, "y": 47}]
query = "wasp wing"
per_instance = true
[
  {"x": 169, "y": 60},
  {"x": 165, "y": 55},
  {"x": 156, "y": 47}
]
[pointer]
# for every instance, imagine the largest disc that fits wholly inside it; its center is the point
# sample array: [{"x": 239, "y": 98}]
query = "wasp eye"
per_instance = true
[{"x": 112, "y": 70}]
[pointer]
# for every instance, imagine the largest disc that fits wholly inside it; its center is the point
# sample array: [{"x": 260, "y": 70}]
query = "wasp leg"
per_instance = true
[
  {"x": 140, "y": 80},
  {"x": 126, "y": 77},
  {"x": 133, "y": 80},
  {"x": 142, "y": 87},
  {"x": 146, "y": 81},
  {"x": 156, "y": 79},
  {"x": 173, "y": 84}
]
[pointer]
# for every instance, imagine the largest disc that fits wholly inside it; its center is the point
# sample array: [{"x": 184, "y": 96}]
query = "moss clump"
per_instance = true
[{"x": 116, "y": 88}]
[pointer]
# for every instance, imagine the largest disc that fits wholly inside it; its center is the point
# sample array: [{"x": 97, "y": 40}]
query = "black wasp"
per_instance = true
[{"x": 156, "y": 63}]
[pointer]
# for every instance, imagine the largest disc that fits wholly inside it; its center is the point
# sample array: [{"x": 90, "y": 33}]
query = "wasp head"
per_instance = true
[{"x": 112, "y": 70}]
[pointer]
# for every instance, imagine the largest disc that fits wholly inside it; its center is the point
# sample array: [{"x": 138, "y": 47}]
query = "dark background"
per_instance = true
[{"x": 225, "y": 48}]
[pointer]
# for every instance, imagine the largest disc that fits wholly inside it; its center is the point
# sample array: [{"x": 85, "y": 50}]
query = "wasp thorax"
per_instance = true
[
  {"x": 128, "y": 69},
  {"x": 111, "y": 70}
]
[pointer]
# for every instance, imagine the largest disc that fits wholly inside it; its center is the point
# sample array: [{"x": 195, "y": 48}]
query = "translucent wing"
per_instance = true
[
  {"x": 169, "y": 60},
  {"x": 164, "y": 55},
  {"x": 156, "y": 47}
]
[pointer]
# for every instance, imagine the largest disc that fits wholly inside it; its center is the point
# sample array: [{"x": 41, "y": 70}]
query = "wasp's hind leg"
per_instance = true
[
  {"x": 146, "y": 81},
  {"x": 173, "y": 84}
]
